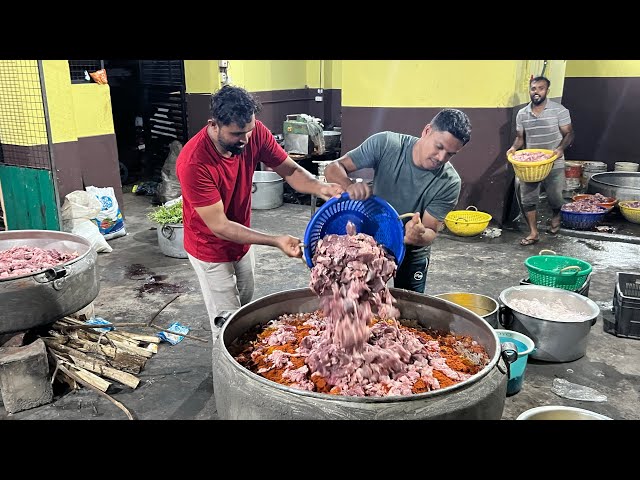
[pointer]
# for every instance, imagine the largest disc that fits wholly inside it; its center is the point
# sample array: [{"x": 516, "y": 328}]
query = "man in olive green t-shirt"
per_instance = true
[{"x": 413, "y": 175}]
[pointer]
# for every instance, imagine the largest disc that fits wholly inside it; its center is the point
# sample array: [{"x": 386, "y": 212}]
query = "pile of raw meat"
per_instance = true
[
  {"x": 583, "y": 207},
  {"x": 357, "y": 345},
  {"x": 23, "y": 260},
  {"x": 525, "y": 156}
]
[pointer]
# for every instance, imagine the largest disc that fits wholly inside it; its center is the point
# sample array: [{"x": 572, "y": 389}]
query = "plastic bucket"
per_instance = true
[
  {"x": 589, "y": 168},
  {"x": 525, "y": 346},
  {"x": 626, "y": 167},
  {"x": 572, "y": 175}
]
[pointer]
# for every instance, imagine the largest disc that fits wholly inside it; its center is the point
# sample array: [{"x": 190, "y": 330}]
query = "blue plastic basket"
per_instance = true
[
  {"x": 373, "y": 216},
  {"x": 582, "y": 221}
]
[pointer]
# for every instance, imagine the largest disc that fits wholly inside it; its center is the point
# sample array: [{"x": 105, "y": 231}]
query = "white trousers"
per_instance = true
[{"x": 225, "y": 286}]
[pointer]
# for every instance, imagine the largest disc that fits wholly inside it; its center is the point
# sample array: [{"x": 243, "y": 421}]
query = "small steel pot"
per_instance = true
[
  {"x": 555, "y": 340},
  {"x": 481, "y": 305}
]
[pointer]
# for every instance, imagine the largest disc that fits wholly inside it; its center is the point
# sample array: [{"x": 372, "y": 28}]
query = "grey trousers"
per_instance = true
[
  {"x": 225, "y": 286},
  {"x": 553, "y": 185}
]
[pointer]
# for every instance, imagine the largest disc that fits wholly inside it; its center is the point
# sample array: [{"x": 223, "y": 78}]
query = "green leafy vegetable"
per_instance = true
[{"x": 164, "y": 215}]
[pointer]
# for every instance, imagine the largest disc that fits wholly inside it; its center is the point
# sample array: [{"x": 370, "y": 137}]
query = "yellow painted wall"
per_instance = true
[
  {"x": 59, "y": 101},
  {"x": 92, "y": 109},
  {"x": 21, "y": 111},
  {"x": 440, "y": 83},
  {"x": 334, "y": 74},
  {"x": 75, "y": 110},
  {"x": 263, "y": 75},
  {"x": 603, "y": 68},
  {"x": 324, "y": 73},
  {"x": 201, "y": 76}
]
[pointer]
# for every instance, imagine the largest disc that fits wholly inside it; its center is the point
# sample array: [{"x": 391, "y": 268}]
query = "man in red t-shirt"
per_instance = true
[{"x": 215, "y": 169}]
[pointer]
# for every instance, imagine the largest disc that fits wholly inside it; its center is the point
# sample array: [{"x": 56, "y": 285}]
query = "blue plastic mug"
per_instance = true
[{"x": 525, "y": 346}]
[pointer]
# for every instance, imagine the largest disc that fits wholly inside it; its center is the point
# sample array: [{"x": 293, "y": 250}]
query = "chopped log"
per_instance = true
[
  {"x": 142, "y": 338},
  {"x": 81, "y": 381},
  {"x": 95, "y": 365},
  {"x": 127, "y": 346},
  {"x": 117, "y": 357},
  {"x": 98, "y": 382},
  {"x": 152, "y": 347}
]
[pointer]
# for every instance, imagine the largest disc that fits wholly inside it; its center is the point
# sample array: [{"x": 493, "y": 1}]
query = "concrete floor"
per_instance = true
[{"x": 176, "y": 383}]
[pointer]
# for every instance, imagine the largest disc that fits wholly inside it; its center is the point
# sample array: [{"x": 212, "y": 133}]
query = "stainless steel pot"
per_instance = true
[
  {"x": 43, "y": 297},
  {"x": 482, "y": 305},
  {"x": 555, "y": 340},
  {"x": 242, "y": 394}
]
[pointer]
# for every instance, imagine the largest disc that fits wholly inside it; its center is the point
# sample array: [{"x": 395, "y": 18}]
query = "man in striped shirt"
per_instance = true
[{"x": 543, "y": 123}]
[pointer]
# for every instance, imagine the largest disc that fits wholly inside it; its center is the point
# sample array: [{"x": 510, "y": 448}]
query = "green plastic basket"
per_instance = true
[{"x": 557, "y": 271}]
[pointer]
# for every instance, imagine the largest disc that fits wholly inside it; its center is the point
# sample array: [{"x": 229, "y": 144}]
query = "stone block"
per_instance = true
[{"x": 24, "y": 377}]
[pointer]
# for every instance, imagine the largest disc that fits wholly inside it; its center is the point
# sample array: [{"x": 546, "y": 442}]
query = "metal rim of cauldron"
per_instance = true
[
  {"x": 350, "y": 398},
  {"x": 70, "y": 237},
  {"x": 598, "y": 178}
]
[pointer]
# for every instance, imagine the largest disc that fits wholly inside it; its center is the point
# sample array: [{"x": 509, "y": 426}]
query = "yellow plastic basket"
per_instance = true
[
  {"x": 467, "y": 223},
  {"x": 630, "y": 213},
  {"x": 533, "y": 171}
]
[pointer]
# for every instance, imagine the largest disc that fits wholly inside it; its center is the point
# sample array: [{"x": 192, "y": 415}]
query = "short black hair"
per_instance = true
[
  {"x": 454, "y": 121},
  {"x": 540, "y": 78},
  {"x": 233, "y": 104}
]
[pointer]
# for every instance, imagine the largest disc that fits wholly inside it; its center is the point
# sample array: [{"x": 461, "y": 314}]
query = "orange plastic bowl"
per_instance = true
[{"x": 608, "y": 204}]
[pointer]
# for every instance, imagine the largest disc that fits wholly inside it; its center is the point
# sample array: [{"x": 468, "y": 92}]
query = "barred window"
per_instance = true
[{"x": 78, "y": 67}]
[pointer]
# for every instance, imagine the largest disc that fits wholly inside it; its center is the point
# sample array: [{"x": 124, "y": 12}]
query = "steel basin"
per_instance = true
[
  {"x": 242, "y": 394},
  {"x": 555, "y": 340},
  {"x": 620, "y": 185},
  {"x": 482, "y": 305},
  {"x": 41, "y": 298}
]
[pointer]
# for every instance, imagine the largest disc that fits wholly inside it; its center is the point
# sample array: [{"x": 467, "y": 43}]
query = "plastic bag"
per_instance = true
[
  {"x": 170, "y": 186},
  {"x": 109, "y": 220},
  {"x": 77, "y": 212},
  {"x": 573, "y": 391},
  {"x": 99, "y": 76}
]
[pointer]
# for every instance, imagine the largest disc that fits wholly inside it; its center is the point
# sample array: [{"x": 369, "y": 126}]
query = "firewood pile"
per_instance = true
[{"x": 83, "y": 355}]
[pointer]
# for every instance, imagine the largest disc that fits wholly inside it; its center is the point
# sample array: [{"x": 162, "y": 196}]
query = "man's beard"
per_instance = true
[
  {"x": 539, "y": 101},
  {"x": 234, "y": 149}
]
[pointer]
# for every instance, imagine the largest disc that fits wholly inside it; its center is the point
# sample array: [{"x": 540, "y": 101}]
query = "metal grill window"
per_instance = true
[
  {"x": 23, "y": 132},
  {"x": 162, "y": 72},
  {"x": 78, "y": 67}
]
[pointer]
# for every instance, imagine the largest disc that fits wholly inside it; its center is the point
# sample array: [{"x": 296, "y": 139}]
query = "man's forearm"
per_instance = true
[
  {"x": 336, "y": 173},
  {"x": 566, "y": 141},
  {"x": 234, "y": 232},
  {"x": 426, "y": 239},
  {"x": 517, "y": 143},
  {"x": 303, "y": 182}
]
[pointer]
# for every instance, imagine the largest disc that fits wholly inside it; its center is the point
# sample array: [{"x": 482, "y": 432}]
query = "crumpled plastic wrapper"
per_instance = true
[
  {"x": 491, "y": 232},
  {"x": 565, "y": 389}
]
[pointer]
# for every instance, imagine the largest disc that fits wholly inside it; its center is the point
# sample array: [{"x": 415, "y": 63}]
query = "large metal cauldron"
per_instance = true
[
  {"x": 241, "y": 394},
  {"x": 619, "y": 185},
  {"x": 43, "y": 297}
]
